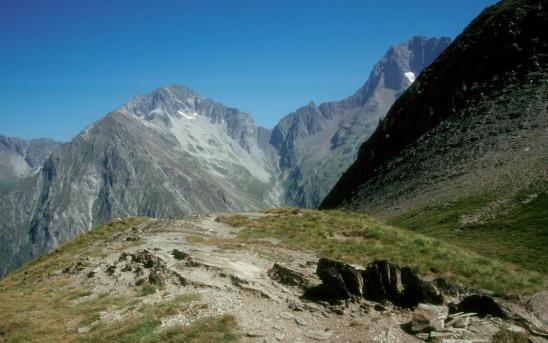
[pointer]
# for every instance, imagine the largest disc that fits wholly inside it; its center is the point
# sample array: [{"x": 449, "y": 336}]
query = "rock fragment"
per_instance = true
[
  {"x": 287, "y": 315},
  {"x": 319, "y": 335},
  {"x": 428, "y": 317},
  {"x": 256, "y": 333},
  {"x": 288, "y": 277},
  {"x": 300, "y": 321},
  {"x": 84, "y": 330}
]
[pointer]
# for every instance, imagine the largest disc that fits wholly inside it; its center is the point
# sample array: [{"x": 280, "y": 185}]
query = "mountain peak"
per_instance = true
[
  {"x": 400, "y": 66},
  {"x": 167, "y": 100}
]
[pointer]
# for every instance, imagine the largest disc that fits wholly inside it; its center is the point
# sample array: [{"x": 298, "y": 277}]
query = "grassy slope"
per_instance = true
[
  {"x": 360, "y": 239},
  {"x": 39, "y": 304},
  {"x": 516, "y": 231}
]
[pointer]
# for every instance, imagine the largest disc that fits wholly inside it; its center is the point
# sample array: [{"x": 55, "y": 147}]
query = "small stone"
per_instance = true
[
  {"x": 300, "y": 321},
  {"x": 427, "y": 317},
  {"x": 434, "y": 334},
  {"x": 287, "y": 315},
  {"x": 319, "y": 335},
  {"x": 256, "y": 333},
  {"x": 270, "y": 340},
  {"x": 516, "y": 329},
  {"x": 453, "y": 340},
  {"x": 279, "y": 336},
  {"x": 84, "y": 330},
  {"x": 422, "y": 335}
]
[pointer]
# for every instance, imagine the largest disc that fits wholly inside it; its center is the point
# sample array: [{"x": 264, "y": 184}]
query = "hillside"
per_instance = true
[
  {"x": 462, "y": 154},
  {"x": 219, "y": 278}
]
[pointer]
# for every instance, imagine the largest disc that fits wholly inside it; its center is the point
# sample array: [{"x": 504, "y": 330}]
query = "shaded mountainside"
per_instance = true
[
  {"x": 164, "y": 154},
  {"x": 317, "y": 143},
  {"x": 466, "y": 146},
  {"x": 19, "y": 157}
]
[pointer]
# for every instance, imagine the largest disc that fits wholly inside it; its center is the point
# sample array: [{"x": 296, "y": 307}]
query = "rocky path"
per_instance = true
[{"x": 191, "y": 255}]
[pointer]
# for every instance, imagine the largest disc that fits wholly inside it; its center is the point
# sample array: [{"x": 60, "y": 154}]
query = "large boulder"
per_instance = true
[
  {"x": 481, "y": 304},
  {"x": 385, "y": 281},
  {"x": 381, "y": 281},
  {"x": 341, "y": 279}
]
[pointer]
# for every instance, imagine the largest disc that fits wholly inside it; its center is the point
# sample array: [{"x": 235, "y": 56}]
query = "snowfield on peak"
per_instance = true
[{"x": 410, "y": 76}]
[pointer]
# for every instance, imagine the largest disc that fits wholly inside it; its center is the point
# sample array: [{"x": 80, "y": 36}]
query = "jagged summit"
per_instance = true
[
  {"x": 400, "y": 66},
  {"x": 317, "y": 143},
  {"x": 169, "y": 100}
]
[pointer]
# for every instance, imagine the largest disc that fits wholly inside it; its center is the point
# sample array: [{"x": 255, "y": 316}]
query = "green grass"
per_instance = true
[
  {"x": 145, "y": 329},
  {"x": 360, "y": 239},
  {"x": 518, "y": 233},
  {"x": 143, "y": 325},
  {"x": 38, "y": 301},
  {"x": 41, "y": 304}
]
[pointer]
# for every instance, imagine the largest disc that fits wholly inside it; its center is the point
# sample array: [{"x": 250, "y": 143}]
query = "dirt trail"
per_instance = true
[{"x": 236, "y": 281}]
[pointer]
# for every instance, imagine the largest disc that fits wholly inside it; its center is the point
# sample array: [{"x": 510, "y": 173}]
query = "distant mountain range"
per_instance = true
[
  {"x": 173, "y": 152},
  {"x": 19, "y": 158}
]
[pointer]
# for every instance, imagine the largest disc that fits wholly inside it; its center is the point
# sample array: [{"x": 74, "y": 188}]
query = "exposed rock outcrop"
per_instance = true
[
  {"x": 288, "y": 277},
  {"x": 538, "y": 304},
  {"x": 381, "y": 281},
  {"x": 385, "y": 281}
]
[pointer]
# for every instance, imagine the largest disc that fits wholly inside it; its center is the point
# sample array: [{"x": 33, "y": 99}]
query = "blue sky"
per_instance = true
[{"x": 66, "y": 63}]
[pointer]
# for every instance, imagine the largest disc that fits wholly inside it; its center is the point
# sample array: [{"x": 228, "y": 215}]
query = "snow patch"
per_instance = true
[
  {"x": 410, "y": 76},
  {"x": 191, "y": 115},
  {"x": 155, "y": 111}
]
